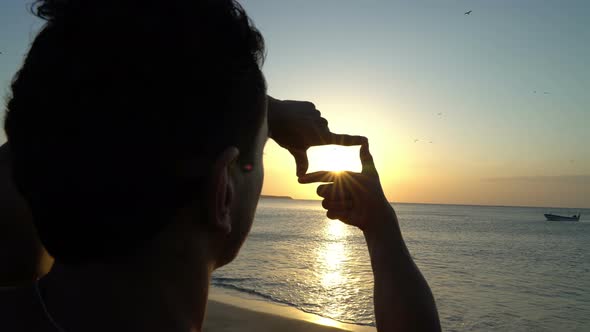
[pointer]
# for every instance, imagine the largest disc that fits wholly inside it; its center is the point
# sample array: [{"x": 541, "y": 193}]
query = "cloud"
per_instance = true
[{"x": 543, "y": 179}]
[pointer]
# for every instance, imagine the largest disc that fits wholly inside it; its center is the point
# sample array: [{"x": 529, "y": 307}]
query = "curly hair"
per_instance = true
[{"x": 112, "y": 97}]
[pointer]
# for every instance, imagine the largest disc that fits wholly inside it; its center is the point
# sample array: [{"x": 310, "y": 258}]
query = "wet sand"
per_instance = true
[{"x": 227, "y": 312}]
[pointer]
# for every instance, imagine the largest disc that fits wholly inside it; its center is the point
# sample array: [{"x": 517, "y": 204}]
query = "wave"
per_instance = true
[
  {"x": 220, "y": 283},
  {"x": 223, "y": 283},
  {"x": 223, "y": 279}
]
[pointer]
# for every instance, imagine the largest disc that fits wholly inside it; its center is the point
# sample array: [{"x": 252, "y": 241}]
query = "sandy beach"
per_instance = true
[
  {"x": 228, "y": 312},
  {"x": 225, "y": 317}
]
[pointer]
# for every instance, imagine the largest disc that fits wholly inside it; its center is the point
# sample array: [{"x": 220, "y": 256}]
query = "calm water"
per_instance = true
[{"x": 490, "y": 268}]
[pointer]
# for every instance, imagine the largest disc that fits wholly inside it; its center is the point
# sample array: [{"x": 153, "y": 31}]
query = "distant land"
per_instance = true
[{"x": 275, "y": 197}]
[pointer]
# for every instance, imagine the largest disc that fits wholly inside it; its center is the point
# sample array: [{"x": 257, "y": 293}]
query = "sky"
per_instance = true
[{"x": 490, "y": 108}]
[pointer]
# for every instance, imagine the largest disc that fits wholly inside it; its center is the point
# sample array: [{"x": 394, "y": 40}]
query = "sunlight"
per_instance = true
[
  {"x": 326, "y": 321},
  {"x": 332, "y": 254},
  {"x": 334, "y": 158},
  {"x": 331, "y": 258},
  {"x": 335, "y": 230}
]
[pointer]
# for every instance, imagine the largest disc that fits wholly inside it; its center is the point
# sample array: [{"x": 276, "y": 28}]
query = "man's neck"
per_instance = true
[{"x": 128, "y": 297}]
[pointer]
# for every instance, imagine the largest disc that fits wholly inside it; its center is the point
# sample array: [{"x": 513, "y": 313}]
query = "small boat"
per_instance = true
[{"x": 555, "y": 217}]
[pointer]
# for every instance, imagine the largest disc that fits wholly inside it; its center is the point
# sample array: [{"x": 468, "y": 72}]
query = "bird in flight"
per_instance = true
[
  {"x": 468, "y": 13},
  {"x": 439, "y": 114},
  {"x": 545, "y": 93},
  {"x": 416, "y": 140}
]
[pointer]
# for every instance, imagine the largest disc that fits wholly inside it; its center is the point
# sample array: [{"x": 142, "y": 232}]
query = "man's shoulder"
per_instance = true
[{"x": 19, "y": 310}]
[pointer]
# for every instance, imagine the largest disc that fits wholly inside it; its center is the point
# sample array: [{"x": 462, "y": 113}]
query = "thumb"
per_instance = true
[
  {"x": 300, "y": 161},
  {"x": 367, "y": 159}
]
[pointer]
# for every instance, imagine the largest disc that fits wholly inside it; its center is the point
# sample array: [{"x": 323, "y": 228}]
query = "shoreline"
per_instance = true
[{"x": 230, "y": 310}]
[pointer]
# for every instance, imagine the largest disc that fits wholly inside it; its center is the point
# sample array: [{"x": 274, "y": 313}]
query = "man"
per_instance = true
[
  {"x": 136, "y": 132},
  {"x": 20, "y": 250},
  {"x": 297, "y": 126}
]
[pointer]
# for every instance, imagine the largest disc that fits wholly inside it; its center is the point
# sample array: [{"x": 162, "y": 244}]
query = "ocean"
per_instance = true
[{"x": 489, "y": 268}]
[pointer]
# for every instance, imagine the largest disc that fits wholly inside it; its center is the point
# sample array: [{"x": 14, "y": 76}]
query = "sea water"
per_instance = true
[{"x": 489, "y": 268}]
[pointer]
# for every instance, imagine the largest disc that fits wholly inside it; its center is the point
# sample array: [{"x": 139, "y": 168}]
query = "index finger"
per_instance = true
[
  {"x": 345, "y": 140},
  {"x": 321, "y": 176}
]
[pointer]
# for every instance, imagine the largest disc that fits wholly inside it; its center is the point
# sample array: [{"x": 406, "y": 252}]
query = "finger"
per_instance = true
[
  {"x": 337, "y": 205},
  {"x": 337, "y": 214},
  {"x": 322, "y": 123},
  {"x": 367, "y": 162},
  {"x": 309, "y": 104},
  {"x": 301, "y": 162},
  {"x": 301, "y": 104},
  {"x": 334, "y": 191},
  {"x": 321, "y": 176},
  {"x": 346, "y": 140},
  {"x": 322, "y": 189}
]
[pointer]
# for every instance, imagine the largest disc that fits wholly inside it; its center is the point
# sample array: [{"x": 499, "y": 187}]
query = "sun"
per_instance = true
[{"x": 334, "y": 158}]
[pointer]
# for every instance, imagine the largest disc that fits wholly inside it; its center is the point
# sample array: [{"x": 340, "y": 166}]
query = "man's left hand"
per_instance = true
[{"x": 298, "y": 125}]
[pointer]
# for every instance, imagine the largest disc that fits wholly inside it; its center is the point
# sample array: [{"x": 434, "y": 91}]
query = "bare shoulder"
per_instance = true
[{"x": 19, "y": 310}]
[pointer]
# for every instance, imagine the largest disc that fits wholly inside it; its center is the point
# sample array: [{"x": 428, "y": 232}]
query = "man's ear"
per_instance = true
[{"x": 222, "y": 190}]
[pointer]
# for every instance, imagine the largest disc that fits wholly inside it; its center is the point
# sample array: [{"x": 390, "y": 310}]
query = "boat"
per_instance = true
[{"x": 555, "y": 217}]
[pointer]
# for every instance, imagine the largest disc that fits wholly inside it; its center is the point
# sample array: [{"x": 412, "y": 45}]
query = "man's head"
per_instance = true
[{"x": 126, "y": 112}]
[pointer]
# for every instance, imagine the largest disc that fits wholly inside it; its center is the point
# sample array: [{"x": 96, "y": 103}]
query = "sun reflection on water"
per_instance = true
[
  {"x": 330, "y": 258},
  {"x": 335, "y": 230}
]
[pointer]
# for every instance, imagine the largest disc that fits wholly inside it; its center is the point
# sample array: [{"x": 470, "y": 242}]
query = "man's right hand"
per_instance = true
[
  {"x": 403, "y": 300},
  {"x": 355, "y": 198}
]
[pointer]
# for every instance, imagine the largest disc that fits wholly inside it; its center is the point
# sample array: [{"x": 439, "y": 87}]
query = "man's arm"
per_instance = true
[{"x": 403, "y": 301}]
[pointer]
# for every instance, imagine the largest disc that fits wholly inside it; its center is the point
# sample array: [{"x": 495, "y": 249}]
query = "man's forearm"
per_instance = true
[{"x": 403, "y": 300}]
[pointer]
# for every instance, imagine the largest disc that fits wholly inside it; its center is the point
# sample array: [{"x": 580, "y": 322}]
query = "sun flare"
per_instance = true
[{"x": 334, "y": 158}]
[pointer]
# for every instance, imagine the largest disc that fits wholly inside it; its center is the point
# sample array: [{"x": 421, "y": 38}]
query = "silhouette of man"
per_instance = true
[
  {"x": 20, "y": 250},
  {"x": 136, "y": 132}
]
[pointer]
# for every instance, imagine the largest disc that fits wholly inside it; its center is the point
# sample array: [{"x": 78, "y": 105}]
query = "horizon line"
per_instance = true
[{"x": 450, "y": 204}]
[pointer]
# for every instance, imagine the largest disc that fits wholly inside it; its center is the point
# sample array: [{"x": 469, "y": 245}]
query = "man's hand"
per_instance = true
[
  {"x": 355, "y": 198},
  {"x": 402, "y": 297},
  {"x": 298, "y": 125}
]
